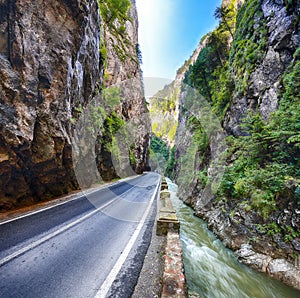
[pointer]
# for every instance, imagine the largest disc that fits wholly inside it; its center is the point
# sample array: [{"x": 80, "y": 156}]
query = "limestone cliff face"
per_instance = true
[
  {"x": 166, "y": 103},
  {"x": 264, "y": 82},
  {"x": 50, "y": 70},
  {"x": 123, "y": 71},
  {"x": 165, "y": 113},
  {"x": 184, "y": 137},
  {"x": 261, "y": 53},
  {"x": 49, "y": 63}
]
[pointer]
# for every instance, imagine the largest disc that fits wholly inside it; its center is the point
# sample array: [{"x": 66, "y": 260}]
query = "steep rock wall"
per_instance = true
[
  {"x": 279, "y": 37},
  {"x": 49, "y": 63},
  {"x": 51, "y": 73},
  {"x": 262, "y": 53},
  {"x": 123, "y": 71}
]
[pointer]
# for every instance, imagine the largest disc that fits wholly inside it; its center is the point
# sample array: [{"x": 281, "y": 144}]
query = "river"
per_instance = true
[{"x": 212, "y": 270}]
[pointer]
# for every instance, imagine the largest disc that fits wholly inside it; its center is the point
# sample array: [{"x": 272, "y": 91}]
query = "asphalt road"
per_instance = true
[{"x": 91, "y": 246}]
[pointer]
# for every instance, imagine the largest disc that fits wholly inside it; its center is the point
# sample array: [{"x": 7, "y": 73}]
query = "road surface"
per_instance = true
[{"x": 91, "y": 246}]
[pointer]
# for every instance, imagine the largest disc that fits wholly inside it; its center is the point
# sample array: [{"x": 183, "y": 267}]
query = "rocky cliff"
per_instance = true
[
  {"x": 247, "y": 74},
  {"x": 50, "y": 70},
  {"x": 277, "y": 28},
  {"x": 122, "y": 71}
]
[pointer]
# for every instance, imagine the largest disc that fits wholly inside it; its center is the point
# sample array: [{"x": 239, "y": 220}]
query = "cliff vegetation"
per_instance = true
[{"x": 247, "y": 73}]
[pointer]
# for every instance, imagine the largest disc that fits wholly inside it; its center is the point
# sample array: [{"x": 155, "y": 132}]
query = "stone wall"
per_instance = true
[{"x": 173, "y": 280}]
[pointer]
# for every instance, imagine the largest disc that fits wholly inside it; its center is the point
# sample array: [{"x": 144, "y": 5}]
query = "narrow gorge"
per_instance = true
[
  {"x": 236, "y": 150},
  {"x": 73, "y": 115}
]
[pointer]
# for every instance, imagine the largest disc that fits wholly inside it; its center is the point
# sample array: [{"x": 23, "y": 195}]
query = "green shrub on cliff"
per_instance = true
[
  {"x": 211, "y": 74},
  {"x": 249, "y": 44},
  {"x": 114, "y": 15},
  {"x": 112, "y": 10},
  {"x": 160, "y": 147},
  {"x": 265, "y": 163},
  {"x": 163, "y": 113}
]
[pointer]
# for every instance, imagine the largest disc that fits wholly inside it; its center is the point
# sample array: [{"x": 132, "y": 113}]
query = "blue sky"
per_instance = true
[{"x": 170, "y": 30}]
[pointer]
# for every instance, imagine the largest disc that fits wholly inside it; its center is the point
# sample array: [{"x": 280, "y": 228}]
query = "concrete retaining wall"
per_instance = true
[{"x": 173, "y": 283}]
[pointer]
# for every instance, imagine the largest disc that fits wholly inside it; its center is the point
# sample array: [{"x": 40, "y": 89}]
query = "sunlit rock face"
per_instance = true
[
  {"x": 50, "y": 69},
  {"x": 123, "y": 71},
  {"x": 283, "y": 38}
]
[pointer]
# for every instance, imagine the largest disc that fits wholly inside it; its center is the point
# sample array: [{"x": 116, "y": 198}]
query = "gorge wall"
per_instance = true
[
  {"x": 164, "y": 109},
  {"x": 237, "y": 161},
  {"x": 122, "y": 71},
  {"x": 51, "y": 69}
]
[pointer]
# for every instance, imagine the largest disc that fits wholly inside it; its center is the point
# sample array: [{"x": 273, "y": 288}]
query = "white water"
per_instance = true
[{"x": 212, "y": 270}]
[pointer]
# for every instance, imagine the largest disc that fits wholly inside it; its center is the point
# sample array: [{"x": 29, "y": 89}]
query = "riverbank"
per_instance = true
[
  {"x": 212, "y": 270},
  {"x": 262, "y": 246}
]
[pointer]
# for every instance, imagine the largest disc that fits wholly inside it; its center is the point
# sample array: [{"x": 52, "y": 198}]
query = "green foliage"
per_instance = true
[
  {"x": 222, "y": 90},
  {"x": 113, "y": 122},
  {"x": 132, "y": 158},
  {"x": 105, "y": 118},
  {"x": 111, "y": 97},
  {"x": 160, "y": 147},
  {"x": 114, "y": 15},
  {"x": 265, "y": 161},
  {"x": 159, "y": 154},
  {"x": 203, "y": 178},
  {"x": 171, "y": 164},
  {"x": 273, "y": 228},
  {"x": 249, "y": 44},
  {"x": 290, "y": 5},
  {"x": 226, "y": 15},
  {"x": 103, "y": 54},
  {"x": 113, "y": 148},
  {"x": 102, "y": 118},
  {"x": 166, "y": 128},
  {"x": 139, "y": 53},
  {"x": 172, "y": 131},
  {"x": 199, "y": 136},
  {"x": 297, "y": 54},
  {"x": 187, "y": 167},
  {"x": 211, "y": 74},
  {"x": 112, "y": 10},
  {"x": 165, "y": 100},
  {"x": 163, "y": 113}
]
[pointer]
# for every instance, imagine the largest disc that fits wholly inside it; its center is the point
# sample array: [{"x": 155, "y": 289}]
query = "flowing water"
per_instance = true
[{"x": 212, "y": 270}]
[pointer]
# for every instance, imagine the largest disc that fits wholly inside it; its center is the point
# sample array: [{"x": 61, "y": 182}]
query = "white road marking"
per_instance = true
[
  {"x": 105, "y": 287},
  {"x": 57, "y": 232},
  {"x": 67, "y": 201},
  {"x": 51, "y": 235}
]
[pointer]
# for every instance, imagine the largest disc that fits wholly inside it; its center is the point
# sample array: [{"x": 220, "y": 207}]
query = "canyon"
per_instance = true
[{"x": 235, "y": 155}]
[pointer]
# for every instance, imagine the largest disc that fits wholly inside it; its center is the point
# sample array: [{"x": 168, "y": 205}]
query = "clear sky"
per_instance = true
[{"x": 170, "y": 30}]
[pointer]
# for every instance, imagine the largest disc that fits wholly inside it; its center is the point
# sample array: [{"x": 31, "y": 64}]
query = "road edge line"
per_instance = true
[
  {"x": 49, "y": 236},
  {"x": 67, "y": 201},
  {"x": 106, "y": 285}
]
